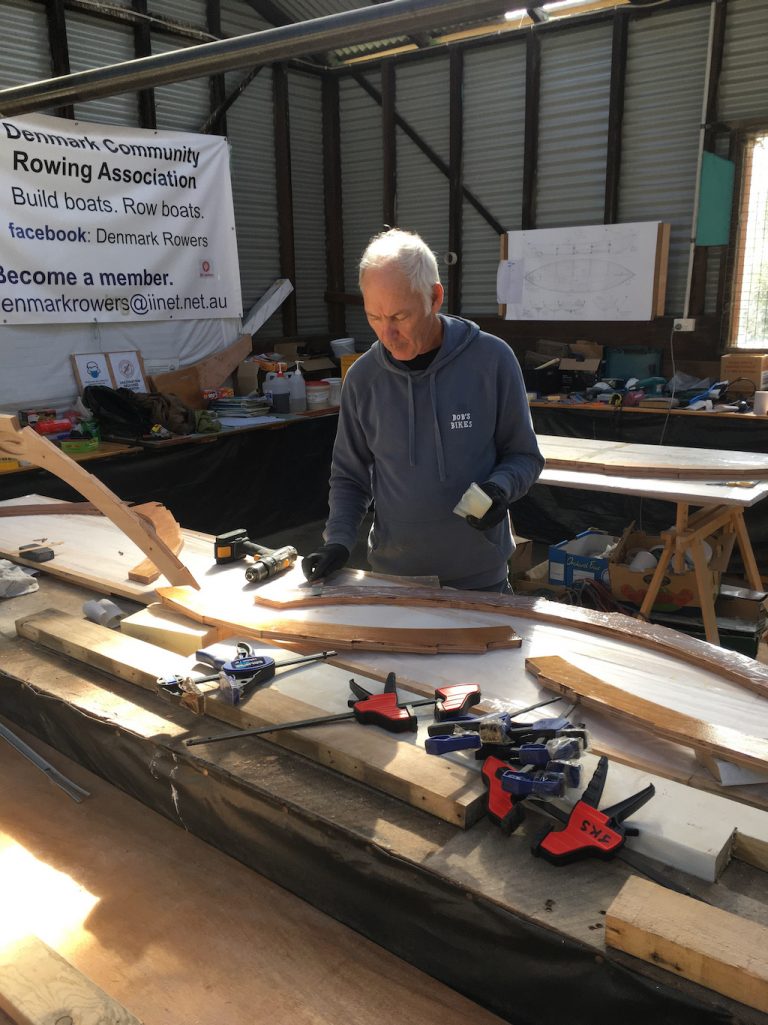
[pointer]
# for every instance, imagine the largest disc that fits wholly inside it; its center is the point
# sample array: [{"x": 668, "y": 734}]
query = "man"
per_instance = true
[{"x": 434, "y": 405}]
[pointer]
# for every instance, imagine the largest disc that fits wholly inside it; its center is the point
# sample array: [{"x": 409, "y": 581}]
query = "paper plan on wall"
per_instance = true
[{"x": 600, "y": 272}]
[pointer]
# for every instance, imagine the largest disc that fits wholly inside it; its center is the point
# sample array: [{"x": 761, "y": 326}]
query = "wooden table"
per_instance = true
[{"x": 720, "y": 507}]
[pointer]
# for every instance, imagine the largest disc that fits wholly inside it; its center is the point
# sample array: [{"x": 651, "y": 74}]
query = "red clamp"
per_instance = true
[
  {"x": 504, "y": 809},
  {"x": 382, "y": 709},
  {"x": 590, "y": 833}
]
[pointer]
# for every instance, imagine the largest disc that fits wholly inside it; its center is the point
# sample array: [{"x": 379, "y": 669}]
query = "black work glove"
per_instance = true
[
  {"x": 326, "y": 560},
  {"x": 497, "y": 510}
]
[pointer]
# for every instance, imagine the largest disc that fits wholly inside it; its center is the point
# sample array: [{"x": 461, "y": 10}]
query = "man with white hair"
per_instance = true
[{"x": 434, "y": 406}]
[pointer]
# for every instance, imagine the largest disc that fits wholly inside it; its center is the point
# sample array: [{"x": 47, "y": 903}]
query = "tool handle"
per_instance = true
[
  {"x": 383, "y": 710},
  {"x": 458, "y": 742},
  {"x": 455, "y": 700},
  {"x": 503, "y": 809},
  {"x": 587, "y": 834},
  {"x": 521, "y": 783}
]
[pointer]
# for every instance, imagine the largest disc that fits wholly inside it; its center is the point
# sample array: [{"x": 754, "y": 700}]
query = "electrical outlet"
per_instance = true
[{"x": 684, "y": 324}]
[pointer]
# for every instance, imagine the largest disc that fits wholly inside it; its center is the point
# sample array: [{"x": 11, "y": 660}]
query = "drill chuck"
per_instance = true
[{"x": 269, "y": 565}]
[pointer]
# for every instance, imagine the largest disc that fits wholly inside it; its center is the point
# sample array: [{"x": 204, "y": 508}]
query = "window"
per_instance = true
[{"x": 749, "y": 314}]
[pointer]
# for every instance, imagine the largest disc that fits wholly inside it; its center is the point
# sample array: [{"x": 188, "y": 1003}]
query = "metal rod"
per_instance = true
[
  {"x": 67, "y": 785},
  {"x": 347, "y": 28}
]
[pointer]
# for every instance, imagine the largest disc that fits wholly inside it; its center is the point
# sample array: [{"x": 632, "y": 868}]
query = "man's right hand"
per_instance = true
[{"x": 326, "y": 560}]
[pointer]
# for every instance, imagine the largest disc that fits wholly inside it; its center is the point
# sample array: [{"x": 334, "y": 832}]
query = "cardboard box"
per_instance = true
[
  {"x": 584, "y": 557},
  {"x": 347, "y": 360},
  {"x": 521, "y": 559},
  {"x": 741, "y": 603},
  {"x": 747, "y": 372},
  {"x": 585, "y": 357},
  {"x": 534, "y": 582},
  {"x": 677, "y": 590},
  {"x": 248, "y": 379},
  {"x": 312, "y": 367}
]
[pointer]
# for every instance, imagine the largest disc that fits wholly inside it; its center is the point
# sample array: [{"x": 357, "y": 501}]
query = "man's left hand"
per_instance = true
[{"x": 495, "y": 513}]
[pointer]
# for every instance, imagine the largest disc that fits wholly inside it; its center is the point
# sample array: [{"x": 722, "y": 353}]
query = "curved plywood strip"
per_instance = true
[
  {"x": 239, "y": 616},
  {"x": 560, "y": 676},
  {"x": 24, "y": 443},
  {"x": 730, "y": 665}
]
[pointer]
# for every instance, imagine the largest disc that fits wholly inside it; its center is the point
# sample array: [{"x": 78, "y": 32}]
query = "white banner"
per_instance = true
[{"x": 102, "y": 223}]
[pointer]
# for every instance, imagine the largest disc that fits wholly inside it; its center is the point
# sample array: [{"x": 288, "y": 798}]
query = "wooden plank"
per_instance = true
[
  {"x": 24, "y": 443},
  {"x": 166, "y": 629},
  {"x": 38, "y": 987},
  {"x": 716, "y": 949},
  {"x": 558, "y": 675},
  {"x": 395, "y": 765},
  {"x": 236, "y": 616}
]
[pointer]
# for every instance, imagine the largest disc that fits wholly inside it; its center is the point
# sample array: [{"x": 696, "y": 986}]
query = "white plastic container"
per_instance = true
[
  {"x": 334, "y": 395},
  {"x": 318, "y": 395},
  {"x": 340, "y": 346},
  {"x": 297, "y": 391},
  {"x": 277, "y": 387}
]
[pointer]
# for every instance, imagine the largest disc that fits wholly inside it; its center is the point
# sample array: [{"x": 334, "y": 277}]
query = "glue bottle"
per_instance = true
[{"x": 298, "y": 391}]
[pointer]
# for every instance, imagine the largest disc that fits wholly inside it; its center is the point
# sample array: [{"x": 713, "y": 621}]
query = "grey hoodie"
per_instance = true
[{"x": 414, "y": 442}]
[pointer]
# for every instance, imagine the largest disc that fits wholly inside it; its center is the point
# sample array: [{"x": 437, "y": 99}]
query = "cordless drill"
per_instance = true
[{"x": 235, "y": 545}]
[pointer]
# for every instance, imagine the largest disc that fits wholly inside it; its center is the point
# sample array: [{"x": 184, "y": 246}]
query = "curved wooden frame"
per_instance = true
[
  {"x": 24, "y": 443},
  {"x": 731, "y": 665}
]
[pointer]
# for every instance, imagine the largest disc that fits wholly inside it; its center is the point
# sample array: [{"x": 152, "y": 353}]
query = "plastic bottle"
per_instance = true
[
  {"x": 276, "y": 389},
  {"x": 298, "y": 391}
]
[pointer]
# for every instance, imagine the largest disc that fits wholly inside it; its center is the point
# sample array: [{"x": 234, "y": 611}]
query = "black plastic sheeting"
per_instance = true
[
  {"x": 263, "y": 480},
  {"x": 553, "y": 514},
  {"x": 526, "y": 974}
]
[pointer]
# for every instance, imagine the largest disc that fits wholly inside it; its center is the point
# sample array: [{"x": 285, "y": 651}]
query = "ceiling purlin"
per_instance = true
[
  {"x": 421, "y": 39},
  {"x": 537, "y": 15},
  {"x": 275, "y": 15}
]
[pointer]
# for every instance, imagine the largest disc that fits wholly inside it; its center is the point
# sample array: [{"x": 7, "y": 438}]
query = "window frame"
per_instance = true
[{"x": 741, "y": 142}]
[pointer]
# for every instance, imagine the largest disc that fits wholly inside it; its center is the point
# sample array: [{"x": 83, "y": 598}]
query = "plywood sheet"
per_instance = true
[
  {"x": 92, "y": 551},
  {"x": 633, "y": 460}
]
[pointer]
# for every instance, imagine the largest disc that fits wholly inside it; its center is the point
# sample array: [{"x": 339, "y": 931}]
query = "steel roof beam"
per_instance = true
[{"x": 347, "y": 28}]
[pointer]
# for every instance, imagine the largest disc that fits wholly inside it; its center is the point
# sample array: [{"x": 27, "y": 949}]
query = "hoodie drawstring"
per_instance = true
[
  {"x": 438, "y": 436},
  {"x": 411, "y": 424}
]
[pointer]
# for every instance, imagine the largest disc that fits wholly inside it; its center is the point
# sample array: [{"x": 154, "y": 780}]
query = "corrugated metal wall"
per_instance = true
[
  {"x": 25, "y": 53},
  {"x": 494, "y": 124},
  {"x": 252, "y": 161},
  {"x": 361, "y": 185},
  {"x": 92, "y": 47},
  {"x": 744, "y": 79},
  {"x": 664, "y": 89},
  {"x": 573, "y": 126},
  {"x": 182, "y": 106},
  {"x": 305, "y": 100},
  {"x": 423, "y": 91}
]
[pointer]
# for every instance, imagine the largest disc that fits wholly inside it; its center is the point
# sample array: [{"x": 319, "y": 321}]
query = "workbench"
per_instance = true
[
  {"x": 471, "y": 908},
  {"x": 720, "y": 507}
]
